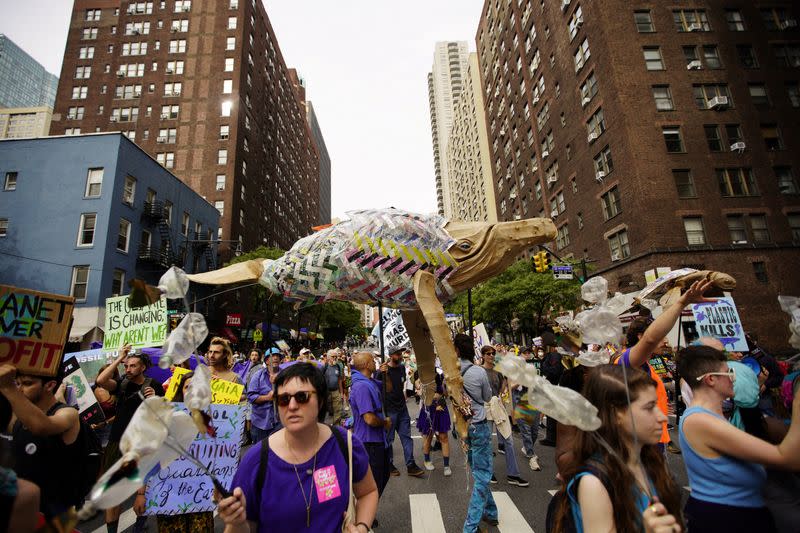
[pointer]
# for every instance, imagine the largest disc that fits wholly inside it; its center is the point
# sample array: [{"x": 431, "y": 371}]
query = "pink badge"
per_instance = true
[{"x": 327, "y": 483}]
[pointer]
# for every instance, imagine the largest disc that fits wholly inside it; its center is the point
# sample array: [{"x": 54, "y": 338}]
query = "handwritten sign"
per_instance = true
[
  {"x": 88, "y": 408},
  {"x": 395, "y": 335},
  {"x": 33, "y": 329},
  {"x": 181, "y": 487},
  {"x": 720, "y": 319},
  {"x": 222, "y": 391},
  {"x": 480, "y": 338},
  {"x": 140, "y": 328}
]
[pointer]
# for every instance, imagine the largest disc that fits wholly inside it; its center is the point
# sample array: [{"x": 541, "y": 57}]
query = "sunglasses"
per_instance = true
[
  {"x": 731, "y": 373},
  {"x": 302, "y": 397}
]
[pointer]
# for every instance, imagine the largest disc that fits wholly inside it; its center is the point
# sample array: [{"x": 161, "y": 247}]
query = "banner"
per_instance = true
[
  {"x": 33, "y": 329},
  {"x": 88, "y": 408},
  {"x": 222, "y": 391},
  {"x": 181, "y": 487},
  {"x": 143, "y": 327},
  {"x": 720, "y": 320},
  {"x": 394, "y": 331}
]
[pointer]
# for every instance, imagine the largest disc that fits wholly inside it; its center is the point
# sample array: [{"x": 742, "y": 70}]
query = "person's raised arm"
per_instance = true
[
  {"x": 106, "y": 378},
  {"x": 653, "y": 335},
  {"x": 29, "y": 414}
]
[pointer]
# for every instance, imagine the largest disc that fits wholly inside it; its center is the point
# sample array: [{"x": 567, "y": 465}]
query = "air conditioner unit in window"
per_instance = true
[
  {"x": 615, "y": 256},
  {"x": 564, "y": 4},
  {"x": 502, "y": 132},
  {"x": 164, "y": 116},
  {"x": 161, "y": 140},
  {"x": 185, "y": 9},
  {"x": 554, "y": 214},
  {"x": 738, "y": 147},
  {"x": 120, "y": 73},
  {"x": 600, "y": 175},
  {"x": 517, "y": 217},
  {"x": 593, "y": 137},
  {"x": 173, "y": 30},
  {"x": 137, "y": 94},
  {"x": 585, "y": 100},
  {"x": 545, "y": 154},
  {"x": 137, "y": 32},
  {"x": 552, "y": 180},
  {"x": 739, "y": 242},
  {"x": 579, "y": 23},
  {"x": 694, "y": 65},
  {"x": 170, "y": 71},
  {"x": 718, "y": 102},
  {"x": 512, "y": 195},
  {"x": 695, "y": 26},
  {"x": 112, "y": 119},
  {"x": 536, "y": 99}
]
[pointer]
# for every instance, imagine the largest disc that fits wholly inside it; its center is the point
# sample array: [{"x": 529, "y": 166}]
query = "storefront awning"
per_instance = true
[{"x": 84, "y": 320}]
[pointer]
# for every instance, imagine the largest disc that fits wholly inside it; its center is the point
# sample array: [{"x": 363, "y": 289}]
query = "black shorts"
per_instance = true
[{"x": 702, "y": 516}]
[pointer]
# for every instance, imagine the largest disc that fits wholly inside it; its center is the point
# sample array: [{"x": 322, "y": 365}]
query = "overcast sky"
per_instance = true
[{"x": 365, "y": 64}]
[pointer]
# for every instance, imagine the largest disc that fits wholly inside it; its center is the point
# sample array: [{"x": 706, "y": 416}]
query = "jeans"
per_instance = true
[
  {"x": 528, "y": 432},
  {"x": 481, "y": 503},
  {"x": 401, "y": 423},
  {"x": 507, "y": 445}
]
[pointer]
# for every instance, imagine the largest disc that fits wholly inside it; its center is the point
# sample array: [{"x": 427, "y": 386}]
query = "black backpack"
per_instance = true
[
  {"x": 90, "y": 456},
  {"x": 558, "y": 500}
]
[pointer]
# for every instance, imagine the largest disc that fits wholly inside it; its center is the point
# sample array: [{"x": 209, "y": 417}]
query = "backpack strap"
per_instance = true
[
  {"x": 261, "y": 473},
  {"x": 465, "y": 389},
  {"x": 342, "y": 444}
]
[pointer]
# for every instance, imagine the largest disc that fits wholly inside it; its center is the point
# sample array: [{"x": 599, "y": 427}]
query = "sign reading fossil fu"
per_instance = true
[
  {"x": 141, "y": 328},
  {"x": 33, "y": 329}
]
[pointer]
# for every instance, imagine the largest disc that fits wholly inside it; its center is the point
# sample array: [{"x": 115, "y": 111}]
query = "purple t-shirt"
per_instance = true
[
  {"x": 262, "y": 415},
  {"x": 282, "y": 505},
  {"x": 361, "y": 402}
]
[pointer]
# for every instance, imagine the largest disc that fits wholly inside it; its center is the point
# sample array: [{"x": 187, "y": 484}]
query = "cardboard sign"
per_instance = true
[
  {"x": 181, "y": 487},
  {"x": 720, "y": 320},
  {"x": 33, "y": 329},
  {"x": 88, "y": 408},
  {"x": 140, "y": 328},
  {"x": 222, "y": 391}
]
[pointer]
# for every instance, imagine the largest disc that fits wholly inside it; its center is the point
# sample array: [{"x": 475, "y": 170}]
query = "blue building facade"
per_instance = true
[
  {"x": 83, "y": 215},
  {"x": 24, "y": 82}
]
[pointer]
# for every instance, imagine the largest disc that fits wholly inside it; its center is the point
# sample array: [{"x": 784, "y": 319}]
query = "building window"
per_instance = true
[
  {"x": 663, "y": 97},
  {"x": 80, "y": 282},
  {"x": 786, "y": 181},
  {"x": 758, "y": 94},
  {"x": 94, "y": 183},
  {"x": 695, "y": 234},
  {"x": 736, "y": 182},
  {"x": 72, "y": 131},
  {"x": 241, "y": 217},
  {"x": 170, "y": 112},
  {"x": 711, "y": 57},
  {"x": 129, "y": 190},
  {"x": 747, "y": 56},
  {"x": 589, "y": 89},
  {"x": 644, "y": 22},
  {"x": 224, "y": 132},
  {"x": 220, "y": 182},
  {"x": 89, "y": 34},
  {"x": 787, "y": 55},
  {"x": 10, "y": 183},
  {"x": 713, "y": 138},
  {"x": 79, "y": 93},
  {"x": 690, "y": 20},
  {"x": 179, "y": 26},
  {"x": 167, "y": 135},
  {"x": 183, "y": 5},
  {"x": 793, "y": 91},
  {"x": 86, "y": 229},
  {"x": 222, "y": 157},
  {"x": 175, "y": 67},
  {"x": 231, "y": 23},
  {"x": 173, "y": 88},
  {"x": 124, "y": 235},
  {"x": 760, "y": 271},
  {"x": 220, "y": 205},
  {"x": 758, "y": 228},
  {"x": 611, "y": 203},
  {"x": 117, "y": 282},
  {"x": 83, "y": 72},
  {"x": 652, "y": 58},
  {"x": 794, "y": 226},
  {"x": 228, "y": 64},
  {"x": 86, "y": 52},
  {"x": 734, "y": 19},
  {"x": 775, "y": 18},
  {"x": 177, "y": 46},
  {"x": 582, "y": 55},
  {"x": 562, "y": 237},
  {"x": 227, "y": 86},
  {"x": 736, "y": 229},
  {"x": 92, "y": 15},
  {"x": 230, "y": 43},
  {"x": 75, "y": 113},
  {"x": 710, "y": 95},
  {"x": 684, "y": 183},
  {"x": 734, "y": 133},
  {"x": 596, "y": 125},
  {"x": 772, "y": 137},
  {"x": 618, "y": 245},
  {"x": 672, "y": 139},
  {"x": 168, "y": 212},
  {"x": 226, "y": 108},
  {"x": 185, "y": 224},
  {"x": 603, "y": 162}
]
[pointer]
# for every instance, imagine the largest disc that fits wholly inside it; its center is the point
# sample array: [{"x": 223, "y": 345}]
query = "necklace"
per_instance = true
[{"x": 310, "y": 497}]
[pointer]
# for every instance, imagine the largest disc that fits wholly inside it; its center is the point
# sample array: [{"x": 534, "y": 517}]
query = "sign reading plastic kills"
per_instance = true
[
  {"x": 720, "y": 320},
  {"x": 140, "y": 328}
]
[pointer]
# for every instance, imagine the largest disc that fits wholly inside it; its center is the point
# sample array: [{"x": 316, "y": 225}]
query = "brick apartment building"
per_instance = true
[
  {"x": 202, "y": 86},
  {"x": 655, "y": 136}
]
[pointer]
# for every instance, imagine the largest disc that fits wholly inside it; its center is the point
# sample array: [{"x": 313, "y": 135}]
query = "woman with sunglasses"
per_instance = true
[
  {"x": 306, "y": 480},
  {"x": 723, "y": 462}
]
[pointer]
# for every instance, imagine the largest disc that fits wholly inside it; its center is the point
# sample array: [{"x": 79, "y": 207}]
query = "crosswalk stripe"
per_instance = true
[
  {"x": 511, "y": 520},
  {"x": 126, "y": 520},
  {"x": 426, "y": 515},
  {"x": 552, "y": 492}
]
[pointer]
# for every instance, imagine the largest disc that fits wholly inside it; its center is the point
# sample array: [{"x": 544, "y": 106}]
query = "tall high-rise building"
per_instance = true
[
  {"x": 24, "y": 82},
  {"x": 324, "y": 166},
  {"x": 654, "y": 135},
  {"x": 468, "y": 159},
  {"x": 445, "y": 83},
  {"x": 202, "y": 87}
]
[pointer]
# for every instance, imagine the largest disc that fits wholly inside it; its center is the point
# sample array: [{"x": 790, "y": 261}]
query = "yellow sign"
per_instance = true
[
  {"x": 258, "y": 335},
  {"x": 224, "y": 392}
]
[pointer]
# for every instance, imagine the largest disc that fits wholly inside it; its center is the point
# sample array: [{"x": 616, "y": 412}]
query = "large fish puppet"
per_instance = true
[{"x": 403, "y": 260}]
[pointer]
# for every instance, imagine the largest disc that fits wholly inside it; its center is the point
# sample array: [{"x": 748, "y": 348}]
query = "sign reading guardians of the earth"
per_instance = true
[
  {"x": 141, "y": 328},
  {"x": 226, "y": 392},
  {"x": 181, "y": 487},
  {"x": 33, "y": 329},
  {"x": 719, "y": 319}
]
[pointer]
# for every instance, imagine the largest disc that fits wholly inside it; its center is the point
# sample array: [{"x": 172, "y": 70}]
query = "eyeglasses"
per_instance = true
[
  {"x": 731, "y": 373},
  {"x": 301, "y": 397}
]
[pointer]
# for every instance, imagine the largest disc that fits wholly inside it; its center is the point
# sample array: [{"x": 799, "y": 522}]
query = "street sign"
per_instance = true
[{"x": 562, "y": 271}]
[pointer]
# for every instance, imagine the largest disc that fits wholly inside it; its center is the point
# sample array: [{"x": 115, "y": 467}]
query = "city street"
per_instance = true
[{"x": 436, "y": 504}]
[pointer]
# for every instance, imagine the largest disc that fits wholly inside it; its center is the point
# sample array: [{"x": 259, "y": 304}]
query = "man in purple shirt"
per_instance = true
[
  {"x": 369, "y": 423},
  {"x": 259, "y": 394}
]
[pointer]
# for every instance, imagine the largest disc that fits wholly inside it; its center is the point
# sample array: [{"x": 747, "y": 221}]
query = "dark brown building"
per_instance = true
[
  {"x": 654, "y": 135},
  {"x": 200, "y": 85}
]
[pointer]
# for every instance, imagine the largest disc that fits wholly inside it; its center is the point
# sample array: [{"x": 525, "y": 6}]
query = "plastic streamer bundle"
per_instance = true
[{"x": 791, "y": 305}]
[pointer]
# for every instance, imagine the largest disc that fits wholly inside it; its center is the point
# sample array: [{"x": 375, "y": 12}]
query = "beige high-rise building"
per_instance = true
[
  {"x": 23, "y": 122},
  {"x": 445, "y": 83},
  {"x": 469, "y": 172}
]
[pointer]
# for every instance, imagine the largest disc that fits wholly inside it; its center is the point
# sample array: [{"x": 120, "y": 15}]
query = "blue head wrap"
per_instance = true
[{"x": 745, "y": 391}]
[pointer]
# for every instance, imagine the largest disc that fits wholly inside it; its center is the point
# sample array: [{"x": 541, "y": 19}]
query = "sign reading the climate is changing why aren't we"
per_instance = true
[
  {"x": 720, "y": 319},
  {"x": 141, "y": 328}
]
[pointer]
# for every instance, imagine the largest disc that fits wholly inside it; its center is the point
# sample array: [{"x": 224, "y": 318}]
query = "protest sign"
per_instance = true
[
  {"x": 146, "y": 326},
  {"x": 480, "y": 337},
  {"x": 88, "y": 408},
  {"x": 719, "y": 319},
  {"x": 33, "y": 329},
  {"x": 394, "y": 331},
  {"x": 658, "y": 366},
  {"x": 222, "y": 391},
  {"x": 181, "y": 487}
]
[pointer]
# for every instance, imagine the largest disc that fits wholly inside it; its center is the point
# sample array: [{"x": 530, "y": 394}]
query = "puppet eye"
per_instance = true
[{"x": 465, "y": 246}]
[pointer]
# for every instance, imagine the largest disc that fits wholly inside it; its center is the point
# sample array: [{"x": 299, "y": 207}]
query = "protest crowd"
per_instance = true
[{"x": 307, "y": 428}]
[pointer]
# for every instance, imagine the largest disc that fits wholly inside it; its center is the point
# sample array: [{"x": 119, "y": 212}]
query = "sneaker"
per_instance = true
[
  {"x": 501, "y": 451},
  {"x": 673, "y": 448},
  {"x": 428, "y": 465},
  {"x": 415, "y": 471},
  {"x": 518, "y": 481},
  {"x": 447, "y": 471},
  {"x": 491, "y": 521},
  {"x": 493, "y": 481},
  {"x": 534, "y": 464},
  {"x": 394, "y": 472}
]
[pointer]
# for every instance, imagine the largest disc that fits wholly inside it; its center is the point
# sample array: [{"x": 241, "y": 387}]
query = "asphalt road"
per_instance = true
[{"x": 438, "y": 504}]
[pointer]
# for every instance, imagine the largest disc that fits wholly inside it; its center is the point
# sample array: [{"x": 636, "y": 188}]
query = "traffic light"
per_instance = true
[{"x": 541, "y": 261}]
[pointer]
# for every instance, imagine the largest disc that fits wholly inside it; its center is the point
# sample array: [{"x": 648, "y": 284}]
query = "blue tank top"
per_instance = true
[{"x": 724, "y": 479}]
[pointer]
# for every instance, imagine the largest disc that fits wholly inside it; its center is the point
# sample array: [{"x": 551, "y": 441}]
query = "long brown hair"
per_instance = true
[{"x": 605, "y": 388}]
